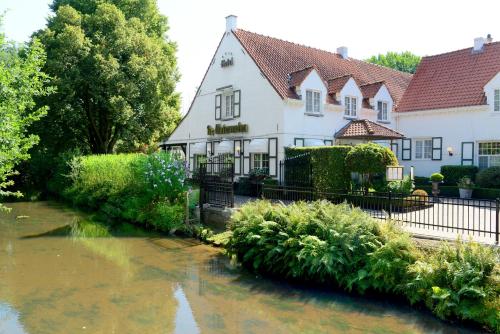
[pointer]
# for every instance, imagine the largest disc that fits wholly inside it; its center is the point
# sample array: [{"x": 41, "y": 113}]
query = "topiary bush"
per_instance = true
[
  {"x": 368, "y": 160},
  {"x": 329, "y": 171},
  {"x": 453, "y": 173},
  {"x": 489, "y": 178},
  {"x": 437, "y": 177}
]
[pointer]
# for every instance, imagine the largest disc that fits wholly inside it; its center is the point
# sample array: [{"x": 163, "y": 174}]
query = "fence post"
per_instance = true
[
  {"x": 390, "y": 204},
  {"x": 497, "y": 235}
]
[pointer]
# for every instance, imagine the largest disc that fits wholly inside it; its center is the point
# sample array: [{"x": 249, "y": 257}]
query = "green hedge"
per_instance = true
[
  {"x": 328, "y": 166},
  {"x": 338, "y": 245},
  {"x": 143, "y": 189},
  {"x": 453, "y": 173}
]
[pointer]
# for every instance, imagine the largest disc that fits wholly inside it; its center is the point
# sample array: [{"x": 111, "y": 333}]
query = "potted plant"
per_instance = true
[
  {"x": 465, "y": 187},
  {"x": 436, "y": 179}
]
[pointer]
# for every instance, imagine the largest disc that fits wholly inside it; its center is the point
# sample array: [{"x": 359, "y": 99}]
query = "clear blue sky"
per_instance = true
[{"x": 367, "y": 27}]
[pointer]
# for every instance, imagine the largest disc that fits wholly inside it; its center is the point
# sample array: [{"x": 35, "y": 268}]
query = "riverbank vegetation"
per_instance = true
[
  {"x": 341, "y": 246},
  {"x": 149, "y": 190}
]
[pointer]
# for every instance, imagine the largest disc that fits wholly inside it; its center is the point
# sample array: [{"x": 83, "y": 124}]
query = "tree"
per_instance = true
[
  {"x": 404, "y": 61},
  {"x": 368, "y": 160},
  {"x": 21, "y": 80},
  {"x": 115, "y": 73}
]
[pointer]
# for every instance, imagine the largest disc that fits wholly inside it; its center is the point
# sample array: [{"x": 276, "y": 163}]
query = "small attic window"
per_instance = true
[{"x": 313, "y": 101}]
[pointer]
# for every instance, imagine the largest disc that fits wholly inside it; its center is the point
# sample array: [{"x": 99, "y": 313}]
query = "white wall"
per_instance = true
[
  {"x": 489, "y": 90},
  {"x": 454, "y": 125}
]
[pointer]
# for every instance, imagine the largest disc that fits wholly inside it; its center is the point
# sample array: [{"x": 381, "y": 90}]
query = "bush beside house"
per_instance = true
[
  {"x": 341, "y": 246},
  {"x": 144, "y": 189},
  {"x": 453, "y": 173}
]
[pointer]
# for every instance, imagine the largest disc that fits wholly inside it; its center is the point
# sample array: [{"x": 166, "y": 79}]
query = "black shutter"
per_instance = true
[
  {"x": 395, "y": 149},
  {"x": 467, "y": 153},
  {"x": 272, "y": 150},
  {"x": 237, "y": 157},
  {"x": 237, "y": 103},
  {"x": 218, "y": 106},
  {"x": 437, "y": 148},
  {"x": 406, "y": 149}
]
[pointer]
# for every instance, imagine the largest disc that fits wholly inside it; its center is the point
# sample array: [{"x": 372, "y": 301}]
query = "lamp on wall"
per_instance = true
[{"x": 450, "y": 151}]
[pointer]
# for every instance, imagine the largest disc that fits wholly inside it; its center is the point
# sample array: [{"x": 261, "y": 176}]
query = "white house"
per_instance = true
[
  {"x": 262, "y": 94},
  {"x": 450, "y": 112}
]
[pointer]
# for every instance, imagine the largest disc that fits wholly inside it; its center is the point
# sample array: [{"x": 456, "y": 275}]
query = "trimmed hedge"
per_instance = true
[
  {"x": 328, "y": 166},
  {"x": 489, "y": 178},
  {"x": 453, "y": 173}
]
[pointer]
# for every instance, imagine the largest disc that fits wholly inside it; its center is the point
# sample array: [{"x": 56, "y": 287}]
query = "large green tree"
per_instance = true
[
  {"x": 115, "y": 72},
  {"x": 21, "y": 80},
  {"x": 404, "y": 61}
]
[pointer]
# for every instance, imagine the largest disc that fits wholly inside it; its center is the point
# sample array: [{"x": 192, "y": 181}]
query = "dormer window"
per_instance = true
[
  {"x": 351, "y": 104},
  {"x": 313, "y": 101},
  {"x": 496, "y": 100},
  {"x": 382, "y": 111}
]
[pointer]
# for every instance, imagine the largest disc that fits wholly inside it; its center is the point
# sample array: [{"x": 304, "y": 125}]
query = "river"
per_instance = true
[{"x": 142, "y": 282}]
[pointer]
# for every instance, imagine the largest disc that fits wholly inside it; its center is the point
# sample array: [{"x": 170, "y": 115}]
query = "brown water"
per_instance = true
[{"x": 145, "y": 283}]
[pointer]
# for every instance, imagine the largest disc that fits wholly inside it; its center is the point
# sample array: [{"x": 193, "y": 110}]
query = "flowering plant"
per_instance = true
[{"x": 164, "y": 176}]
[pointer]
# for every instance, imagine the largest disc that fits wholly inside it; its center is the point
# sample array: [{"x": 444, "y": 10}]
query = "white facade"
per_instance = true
[{"x": 457, "y": 135}]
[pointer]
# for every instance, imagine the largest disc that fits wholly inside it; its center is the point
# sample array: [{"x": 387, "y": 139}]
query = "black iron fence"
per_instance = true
[
  {"x": 296, "y": 171},
  {"x": 440, "y": 214},
  {"x": 215, "y": 177}
]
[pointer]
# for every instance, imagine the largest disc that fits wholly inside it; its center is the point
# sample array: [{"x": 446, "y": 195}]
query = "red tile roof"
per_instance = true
[
  {"x": 365, "y": 129},
  {"x": 336, "y": 85},
  {"x": 297, "y": 77},
  {"x": 369, "y": 91},
  {"x": 277, "y": 59},
  {"x": 453, "y": 79}
]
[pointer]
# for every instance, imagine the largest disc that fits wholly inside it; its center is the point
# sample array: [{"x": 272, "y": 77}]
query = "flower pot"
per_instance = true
[
  {"x": 465, "y": 193},
  {"x": 435, "y": 188}
]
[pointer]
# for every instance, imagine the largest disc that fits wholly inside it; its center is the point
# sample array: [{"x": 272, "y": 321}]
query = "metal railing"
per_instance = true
[{"x": 442, "y": 215}]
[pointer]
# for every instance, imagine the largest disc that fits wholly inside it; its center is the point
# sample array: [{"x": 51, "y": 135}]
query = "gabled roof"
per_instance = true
[
  {"x": 297, "y": 77},
  {"x": 365, "y": 129},
  {"x": 277, "y": 59},
  {"x": 336, "y": 85},
  {"x": 369, "y": 91},
  {"x": 453, "y": 79}
]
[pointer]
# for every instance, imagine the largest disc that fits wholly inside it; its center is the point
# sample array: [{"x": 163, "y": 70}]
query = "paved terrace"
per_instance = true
[{"x": 447, "y": 219}]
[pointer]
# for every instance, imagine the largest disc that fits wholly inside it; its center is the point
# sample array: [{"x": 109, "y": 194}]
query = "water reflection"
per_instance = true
[
  {"x": 184, "y": 319},
  {"x": 9, "y": 320},
  {"x": 131, "y": 281}
]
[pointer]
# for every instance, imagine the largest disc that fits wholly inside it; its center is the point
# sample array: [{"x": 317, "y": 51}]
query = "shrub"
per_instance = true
[
  {"x": 134, "y": 187},
  {"x": 460, "y": 281},
  {"x": 421, "y": 180},
  {"x": 368, "y": 160},
  {"x": 489, "y": 178},
  {"x": 453, "y": 173},
  {"x": 328, "y": 166},
  {"x": 403, "y": 187},
  {"x": 420, "y": 193},
  {"x": 437, "y": 177}
]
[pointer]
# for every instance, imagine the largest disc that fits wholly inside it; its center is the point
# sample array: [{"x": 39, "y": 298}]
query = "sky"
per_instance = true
[{"x": 366, "y": 27}]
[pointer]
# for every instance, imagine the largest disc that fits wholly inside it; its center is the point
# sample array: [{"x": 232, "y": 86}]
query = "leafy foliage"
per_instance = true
[
  {"x": 453, "y": 173},
  {"x": 21, "y": 81},
  {"x": 343, "y": 246},
  {"x": 404, "y": 187},
  {"x": 328, "y": 166},
  {"x": 437, "y": 177},
  {"x": 489, "y": 178},
  {"x": 134, "y": 187},
  {"x": 115, "y": 73},
  {"x": 404, "y": 61}
]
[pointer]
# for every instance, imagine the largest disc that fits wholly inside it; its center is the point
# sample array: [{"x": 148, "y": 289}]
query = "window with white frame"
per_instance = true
[
  {"x": 382, "y": 111},
  {"x": 351, "y": 105},
  {"x": 489, "y": 154},
  {"x": 313, "y": 101},
  {"x": 260, "y": 161},
  {"x": 423, "y": 149},
  {"x": 228, "y": 108},
  {"x": 227, "y": 104},
  {"x": 496, "y": 100}
]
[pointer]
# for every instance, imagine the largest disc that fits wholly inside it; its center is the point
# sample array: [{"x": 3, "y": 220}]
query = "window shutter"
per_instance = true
[
  {"x": 467, "y": 153},
  {"x": 237, "y": 103},
  {"x": 395, "y": 149},
  {"x": 218, "y": 106},
  {"x": 406, "y": 149},
  {"x": 437, "y": 148},
  {"x": 273, "y": 156}
]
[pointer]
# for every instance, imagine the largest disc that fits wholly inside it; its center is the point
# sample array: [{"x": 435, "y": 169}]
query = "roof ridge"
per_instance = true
[
  {"x": 303, "y": 69},
  {"x": 368, "y": 126},
  {"x": 340, "y": 77},
  {"x": 326, "y": 51},
  {"x": 459, "y": 50},
  {"x": 373, "y": 83}
]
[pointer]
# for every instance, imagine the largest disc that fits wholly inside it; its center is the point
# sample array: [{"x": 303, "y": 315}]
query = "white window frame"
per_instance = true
[
  {"x": 350, "y": 108},
  {"x": 380, "y": 111},
  {"x": 489, "y": 157},
  {"x": 227, "y": 108},
  {"x": 496, "y": 100},
  {"x": 261, "y": 161},
  {"x": 423, "y": 142},
  {"x": 313, "y": 101}
]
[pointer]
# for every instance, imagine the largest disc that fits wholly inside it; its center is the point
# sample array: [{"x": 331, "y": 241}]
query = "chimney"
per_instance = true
[
  {"x": 478, "y": 44},
  {"x": 231, "y": 23},
  {"x": 342, "y": 51},
  {"x": 489, "y": 39}
]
